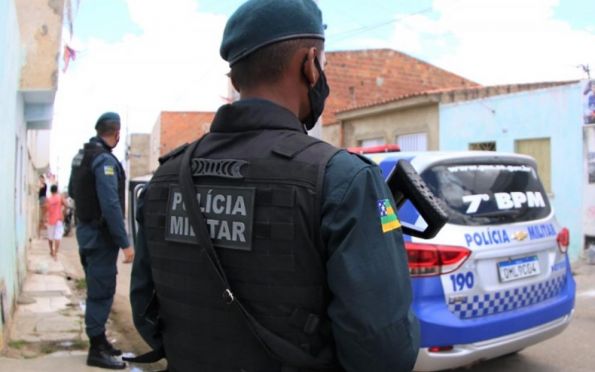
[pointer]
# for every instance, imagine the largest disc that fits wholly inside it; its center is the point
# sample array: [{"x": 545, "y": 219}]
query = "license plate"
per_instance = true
[{"x": 518, "y": 269}]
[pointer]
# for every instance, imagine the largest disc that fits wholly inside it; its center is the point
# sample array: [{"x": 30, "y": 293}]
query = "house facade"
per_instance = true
[
  {"x": 359, "y": 78},
  {"x": 546, "y": 124},
  {"x": 30, "y": 41},
  {"x": 412, "y": 120}
]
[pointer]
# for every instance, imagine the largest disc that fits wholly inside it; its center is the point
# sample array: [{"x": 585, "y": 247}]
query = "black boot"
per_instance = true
[
  {"x": 101, "y": 354},
  {"x": 112, "y": 350},
  {"x": 102, "y": 341},
  {"x": 101, "y": 357}
]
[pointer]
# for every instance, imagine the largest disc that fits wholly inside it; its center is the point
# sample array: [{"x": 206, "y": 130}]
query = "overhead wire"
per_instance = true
[{"x": 349, "y": 33}]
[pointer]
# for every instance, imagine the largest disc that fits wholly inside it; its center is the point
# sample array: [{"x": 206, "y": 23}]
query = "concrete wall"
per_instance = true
[
  {"x": 155, "y": 145},
  {"x": 388, "y": 124},
  {"x": 553, "y": 113},
  {"x": 138, "y": 154},
  {"x": 41, "y": 32},
  {"x": 331, "y": 134}
]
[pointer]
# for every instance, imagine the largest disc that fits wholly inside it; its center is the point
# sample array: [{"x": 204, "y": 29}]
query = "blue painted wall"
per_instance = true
[
  {"x": 12, "y": 124},
  {"x": 554, "y": 113}
]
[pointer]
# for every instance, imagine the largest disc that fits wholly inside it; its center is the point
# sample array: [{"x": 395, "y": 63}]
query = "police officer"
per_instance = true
[
  {"x": 97, "y": 186},
  {"x": 303, "y": 267}
]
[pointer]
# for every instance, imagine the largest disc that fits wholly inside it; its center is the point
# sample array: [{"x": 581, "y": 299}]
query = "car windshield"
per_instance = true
[{"x": 488, "y": 194}]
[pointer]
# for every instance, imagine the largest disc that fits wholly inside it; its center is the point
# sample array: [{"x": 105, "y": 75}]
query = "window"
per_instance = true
[
  {"x": 539, "y": 149},
  {"x": 412, "y": 142},
  {"x": 372, "y": 142},
  {"x": 488, "y": 193},
  {"x": 482, "y": 146}
]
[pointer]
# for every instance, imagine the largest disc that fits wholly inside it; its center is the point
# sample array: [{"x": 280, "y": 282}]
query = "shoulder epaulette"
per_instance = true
[
  {"x": 363, "y": 158},
  {"x": 173, "y": 153},
  {"x": 292, "y": 144}
]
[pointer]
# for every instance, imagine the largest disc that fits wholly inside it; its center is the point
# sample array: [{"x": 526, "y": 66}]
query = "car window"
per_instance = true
[{"x": 487, "y": 194}]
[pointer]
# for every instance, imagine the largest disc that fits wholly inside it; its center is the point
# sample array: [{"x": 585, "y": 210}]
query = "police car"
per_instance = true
[{"x": 496, "y": 278}]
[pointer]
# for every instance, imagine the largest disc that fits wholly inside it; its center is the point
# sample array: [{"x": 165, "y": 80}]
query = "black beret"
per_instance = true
[
  {"x": 258, "y": 23},
  {"x": 107, "y": 117}
]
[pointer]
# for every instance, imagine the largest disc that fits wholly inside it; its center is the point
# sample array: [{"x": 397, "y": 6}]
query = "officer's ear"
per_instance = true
[
  {"x": 234, "y": 84},
  {"x": 309, "y": 69}
]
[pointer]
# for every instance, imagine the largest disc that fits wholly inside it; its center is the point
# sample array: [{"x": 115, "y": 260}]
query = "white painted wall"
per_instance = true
[{"x": 39, "y": 147}]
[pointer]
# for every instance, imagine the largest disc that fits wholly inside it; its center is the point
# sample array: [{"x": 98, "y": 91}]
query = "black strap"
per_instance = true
[
  {"x": 197, "y": 220},
  {"x": 277, "y": 347}
]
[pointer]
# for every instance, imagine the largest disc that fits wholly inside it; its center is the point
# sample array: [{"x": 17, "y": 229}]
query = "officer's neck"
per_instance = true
[
  {"x": 105, "y": 142},
  {"x": 276, "y": 94}
]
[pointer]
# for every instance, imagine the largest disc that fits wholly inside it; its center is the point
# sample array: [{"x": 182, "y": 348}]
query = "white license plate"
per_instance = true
[{"x": 518, "y": 269}]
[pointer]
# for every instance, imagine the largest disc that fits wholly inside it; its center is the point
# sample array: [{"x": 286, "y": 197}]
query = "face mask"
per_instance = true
[{"x": 317, "y": 95}]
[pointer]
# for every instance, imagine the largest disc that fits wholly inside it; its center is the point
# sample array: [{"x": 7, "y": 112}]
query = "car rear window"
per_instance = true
[{"x": 488, "y": 193}]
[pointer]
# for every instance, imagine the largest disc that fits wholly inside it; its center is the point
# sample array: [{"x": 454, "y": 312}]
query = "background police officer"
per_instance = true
[
  {"x": 97, "y": 186},
  {"x": 323, "y": 266}
]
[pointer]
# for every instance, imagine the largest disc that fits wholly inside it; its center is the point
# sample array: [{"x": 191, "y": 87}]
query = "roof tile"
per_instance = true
[{"x": 363, "y": 77}]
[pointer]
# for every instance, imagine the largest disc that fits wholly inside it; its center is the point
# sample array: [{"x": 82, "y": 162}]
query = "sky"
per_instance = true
[{"x": 141, "y": 57}]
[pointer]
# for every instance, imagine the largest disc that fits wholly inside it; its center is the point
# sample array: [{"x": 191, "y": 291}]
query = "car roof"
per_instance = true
[{"x": 423, "y": 159}]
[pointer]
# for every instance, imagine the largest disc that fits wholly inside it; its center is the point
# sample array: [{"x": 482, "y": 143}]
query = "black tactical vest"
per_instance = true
[
  {"x": 263, "y": 215},
  {"x": 82, "y": 183}
]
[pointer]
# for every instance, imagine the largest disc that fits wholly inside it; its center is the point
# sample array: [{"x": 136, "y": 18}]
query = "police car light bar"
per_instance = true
[{"x": 374, "y": 149}]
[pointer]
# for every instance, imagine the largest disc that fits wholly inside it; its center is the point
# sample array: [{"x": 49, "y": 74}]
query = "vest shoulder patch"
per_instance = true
[
  {"x": 108, "y": 170},
  {"x": 225, "y": 168},
  {"x": 388, "y": 218}
]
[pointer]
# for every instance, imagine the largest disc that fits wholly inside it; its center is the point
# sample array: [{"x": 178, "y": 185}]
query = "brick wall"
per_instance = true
[
  {"x": 178, "y": 128},
  {"x": 362, "y": 77}
]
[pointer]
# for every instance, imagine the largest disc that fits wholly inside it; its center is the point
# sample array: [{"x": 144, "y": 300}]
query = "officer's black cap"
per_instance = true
[
  {"x": 107, "y": 117},
  {"x": 258, "y": 23}
]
